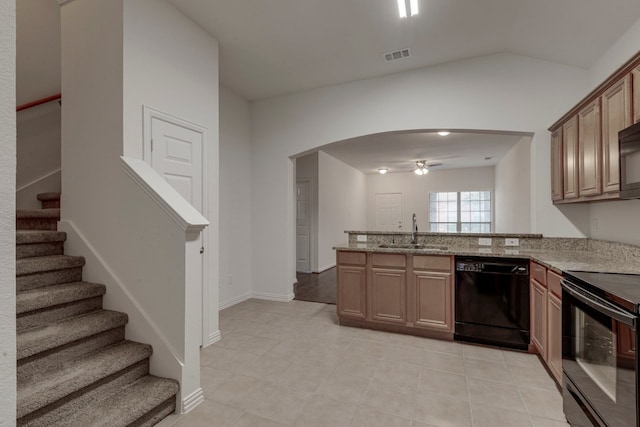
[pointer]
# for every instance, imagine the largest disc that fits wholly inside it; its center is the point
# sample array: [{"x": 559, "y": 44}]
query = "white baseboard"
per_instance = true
[
  {"x": 214, "y": 337},
  {"x": 325, "y": 268},
  {"x": 190, "y": 402},
  {"x": 235, "y": 300},
  {"x": 272, "y": 297}
]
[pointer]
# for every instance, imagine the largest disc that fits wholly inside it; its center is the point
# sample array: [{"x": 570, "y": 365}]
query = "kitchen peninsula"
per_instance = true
[{"x": 386, "y": 282}]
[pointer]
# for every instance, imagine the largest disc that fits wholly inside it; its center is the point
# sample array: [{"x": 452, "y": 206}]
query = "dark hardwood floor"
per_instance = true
[{"x": 316, "y": 287}]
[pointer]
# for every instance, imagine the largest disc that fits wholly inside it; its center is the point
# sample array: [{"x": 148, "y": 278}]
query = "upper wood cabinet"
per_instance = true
[
  {"x": 616, "y": 115},
  {"x": 588, "y": 134},
  {"x": 589, "y": 150},
  {"x": 635, "y": 74},
  {"x": 557, "y": 189},
  {"x": 570, "y": 158}
]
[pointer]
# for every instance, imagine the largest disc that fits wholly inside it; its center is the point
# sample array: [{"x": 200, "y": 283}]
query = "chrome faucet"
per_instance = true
[{"x": 414, "y": 231}]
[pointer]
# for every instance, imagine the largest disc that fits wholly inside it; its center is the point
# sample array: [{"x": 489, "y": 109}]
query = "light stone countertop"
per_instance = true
[{"x": 557, "y": 260}]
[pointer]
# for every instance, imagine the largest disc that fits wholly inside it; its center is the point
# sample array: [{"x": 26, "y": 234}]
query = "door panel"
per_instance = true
[
  {"x": 388, "y": 212},
  {"x": 388, "y": 295},
  {"x": 616, "y": 115},
  {"x": 434, "y": 298},
  {"x": 589, "y": 149},
  {"x": 570, "y": 157},
  {"x": 176, "y": 154},
  {"x": 352, "y": 300},
  {"x": 303, "y": 225}
]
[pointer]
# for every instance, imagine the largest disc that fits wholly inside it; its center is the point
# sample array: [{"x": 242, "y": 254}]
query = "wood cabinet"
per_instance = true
[
  {"x": 616, "y": 115},
  {"x": 539, "y": 317},
  {"x": 554, "y": 335},
  {"x": 589, "y": 150},
  {"x": 434, "y": 292},
  {"x": 388, "y": 288},
  {"x": 570, "y": 180},
  {"x": 557, "y": 189},
  {"x": 588, "y": 134},
  {"x": 546, "y": 317},
  {"x": 352, "y": 292},
  {"x": 407, "y": 293},
  {"x": 635, "y": 75}
]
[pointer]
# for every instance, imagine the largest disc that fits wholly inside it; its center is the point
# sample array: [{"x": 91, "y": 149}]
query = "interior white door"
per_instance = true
[
  {"x": 303, "y": 225},
  {"x": 177, "y": 153},
  {"x": 388, "y": 211}
]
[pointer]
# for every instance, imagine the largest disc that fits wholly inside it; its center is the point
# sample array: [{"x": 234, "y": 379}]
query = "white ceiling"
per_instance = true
[
  {"x": 399, "y": 151},
  {"x": 273, "y": 47}
]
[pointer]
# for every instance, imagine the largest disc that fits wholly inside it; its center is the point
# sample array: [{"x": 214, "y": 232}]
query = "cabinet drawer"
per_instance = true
[
  {"x": 553, "y": 283},
  {"x": 432, "y": 262},
  {"x": 389, "y": 260},
  {"x": 539, "y": 273},
  {"x": 352, "y": 258}
]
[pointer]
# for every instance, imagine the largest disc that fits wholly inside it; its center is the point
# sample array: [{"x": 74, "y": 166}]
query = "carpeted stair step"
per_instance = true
[
  {"x": 35, "y": 243},
  {"x": 39, "y": 395},
  {"x": 50, "y": 270},
  {"x": 143, "y": 402},
  {"x": 37, "y": 219},
  {"x": 43, "y": 339},
  {"x": 39, "y": 306},
  {"x": 49, "y": 200}
]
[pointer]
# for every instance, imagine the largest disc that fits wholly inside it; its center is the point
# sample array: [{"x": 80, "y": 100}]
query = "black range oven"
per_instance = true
[{"x": 599, "y": 359}]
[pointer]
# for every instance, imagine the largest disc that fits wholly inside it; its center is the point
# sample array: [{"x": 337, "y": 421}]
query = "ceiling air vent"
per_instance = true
[{"x": 398, "y": 54}]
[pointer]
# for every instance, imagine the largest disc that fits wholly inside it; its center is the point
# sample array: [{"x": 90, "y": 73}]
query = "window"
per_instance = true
[{"x": 460, "y": 212}]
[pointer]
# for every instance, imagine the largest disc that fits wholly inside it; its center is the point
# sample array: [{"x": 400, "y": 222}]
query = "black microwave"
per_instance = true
[{"x": 629, "y": 139}]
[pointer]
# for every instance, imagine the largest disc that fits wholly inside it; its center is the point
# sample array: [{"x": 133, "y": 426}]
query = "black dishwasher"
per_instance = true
[{"x": 492, "y": 301}]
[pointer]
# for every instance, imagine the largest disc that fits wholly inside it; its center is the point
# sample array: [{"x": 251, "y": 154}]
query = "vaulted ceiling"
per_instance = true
[{"x": 273, "y": 47}]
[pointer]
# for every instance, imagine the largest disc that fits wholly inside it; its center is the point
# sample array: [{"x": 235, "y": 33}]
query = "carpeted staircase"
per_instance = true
[{"x": 75, "y": 367}]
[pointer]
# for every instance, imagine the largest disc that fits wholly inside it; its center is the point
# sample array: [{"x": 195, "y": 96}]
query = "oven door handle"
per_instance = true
[{"x": 596, "y": 303}]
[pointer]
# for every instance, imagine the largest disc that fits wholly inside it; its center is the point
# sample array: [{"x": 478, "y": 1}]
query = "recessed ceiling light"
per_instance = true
[
  {"x": 382, "y": 171},
  {"x": 443, "y": 133}
]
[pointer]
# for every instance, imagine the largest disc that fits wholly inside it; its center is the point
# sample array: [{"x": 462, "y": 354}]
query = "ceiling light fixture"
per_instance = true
[
  {"x": 402, "y": 7},
  {"x": 421, "y": 168},
  {"x": 413, "y": 5},
  {"x": 382, "y": 171},
  {"x": 444, "y": 133}
]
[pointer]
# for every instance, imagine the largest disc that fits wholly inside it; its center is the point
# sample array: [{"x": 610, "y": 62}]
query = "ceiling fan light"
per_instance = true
[
  {"x": 382, "y": 171},
  {"x": 418, "y": 171},
  {"x": 443, "y": 133}
]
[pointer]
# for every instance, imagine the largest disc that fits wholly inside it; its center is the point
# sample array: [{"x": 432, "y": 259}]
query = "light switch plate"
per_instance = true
[
  {"x": 362, "y": 237},
  {"x": 512, "y": 242},
  {"x": 484, "y": 241}
]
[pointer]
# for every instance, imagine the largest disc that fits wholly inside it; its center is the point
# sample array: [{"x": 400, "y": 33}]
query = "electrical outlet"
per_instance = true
[
  {"x": 512, "y": 242},
  {"x": 362, "y": 238},
  {"x": 484, "y": 241}
]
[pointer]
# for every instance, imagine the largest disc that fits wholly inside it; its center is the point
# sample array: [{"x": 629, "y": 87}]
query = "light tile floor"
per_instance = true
[{"x": 291, "y": 364}]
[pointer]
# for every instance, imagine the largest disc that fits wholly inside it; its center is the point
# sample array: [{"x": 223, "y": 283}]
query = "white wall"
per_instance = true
[
  {"x": 342, "y": 205},
  {"x": 171, "y": 65},
  {"x": 37, "y": 76},
  {"x": 616, "y": 221},
  {"x": 415, "y": 190},
  {"x": 512, "y": 201},
  {"x": 307, "y": 167},
  {"x": 497, "y": 92},
  {"x": 235, "y": 198},
  {"x": 152, "y": 56},
  {"x": 7, "y": 213}
]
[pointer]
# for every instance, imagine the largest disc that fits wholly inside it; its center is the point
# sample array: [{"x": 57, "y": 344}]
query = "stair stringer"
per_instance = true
[{"x": 166, "y": 360}]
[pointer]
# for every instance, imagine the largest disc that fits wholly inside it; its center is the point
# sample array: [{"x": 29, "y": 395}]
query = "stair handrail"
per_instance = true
[{"x": 56, "y": 97}]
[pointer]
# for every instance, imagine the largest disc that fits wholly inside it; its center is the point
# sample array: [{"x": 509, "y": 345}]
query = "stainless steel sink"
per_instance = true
[{"x": 413, "y": 246}]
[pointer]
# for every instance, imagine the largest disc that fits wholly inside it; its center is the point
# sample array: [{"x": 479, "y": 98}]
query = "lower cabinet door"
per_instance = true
[
  {"x": 352, "y": 292},
  {"x": 539, "y": 317},
  {"x": 434, "y": 301},
  {"x": 554, "y": 336},
  {"x": 388, "y": 300}
]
